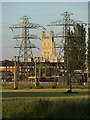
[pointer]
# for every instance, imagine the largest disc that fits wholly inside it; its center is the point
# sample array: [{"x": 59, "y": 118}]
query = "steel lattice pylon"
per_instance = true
[
  {"x": 25, "y": 46},
  {"x": 66, "y": 30},
  {"x": 66, "y": 23}
]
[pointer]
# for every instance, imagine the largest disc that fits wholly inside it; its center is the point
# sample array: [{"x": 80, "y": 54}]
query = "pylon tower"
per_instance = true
[
  {"x": 66, "y": 24},
  {"x": 66, "y": 31},
  {"x": 25, "y": 46},
  {"x": 25, "y": 50}
]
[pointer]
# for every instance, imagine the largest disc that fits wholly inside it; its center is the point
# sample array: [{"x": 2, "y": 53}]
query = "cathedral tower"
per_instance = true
[{"x": 48, "y": 50}]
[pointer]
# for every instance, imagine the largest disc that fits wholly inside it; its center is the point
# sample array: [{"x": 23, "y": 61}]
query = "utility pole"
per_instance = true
[
  {"x": 35, "y": 74},
  {"x": 25, "y": 46},
  {"x": 15, "y": 73}
]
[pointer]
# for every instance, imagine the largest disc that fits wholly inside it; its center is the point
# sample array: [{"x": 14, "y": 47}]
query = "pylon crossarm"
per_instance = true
[
  {"x": 56, "y": 23},
  {"x": 29, "y": 25},
  {"x": 34, "y": 26},
  {"x": 75, "y": 22},
  {"x": 20, "y": 25}
]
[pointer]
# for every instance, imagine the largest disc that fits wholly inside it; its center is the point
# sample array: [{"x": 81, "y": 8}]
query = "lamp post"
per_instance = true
[
  {"x": 39, "y": 73},
  {"x": 15, "y": 72},
  {"x": 35, "y": 74}
]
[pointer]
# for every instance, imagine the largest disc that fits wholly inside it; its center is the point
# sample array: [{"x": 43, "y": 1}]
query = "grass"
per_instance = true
[
  {"x": 40, "y": 94},
  {"x": 46, "y": 108},
  {"x": 45, "y": 103},
  {"x": 44, "y": 93}
]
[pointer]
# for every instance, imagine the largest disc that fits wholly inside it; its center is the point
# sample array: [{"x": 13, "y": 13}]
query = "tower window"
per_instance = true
[
  {"x": 44, "y": 44},
  {"x": 48, "y": 43},
  {"x": 44, "y": 53}
]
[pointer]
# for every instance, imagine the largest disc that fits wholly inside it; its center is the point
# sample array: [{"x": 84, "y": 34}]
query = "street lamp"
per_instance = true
[
  {"x": 35, "y": 74},
  {"x": 15, "y": 71}
]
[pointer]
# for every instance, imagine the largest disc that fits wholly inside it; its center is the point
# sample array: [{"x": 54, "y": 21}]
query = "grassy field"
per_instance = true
[
  {"x": 46, "y": 108},
  {"x": 45, "y": 103}
]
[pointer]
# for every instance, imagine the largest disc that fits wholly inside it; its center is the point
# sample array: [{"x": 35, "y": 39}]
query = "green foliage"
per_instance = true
[
  {"x": 77, "y": 48},
  {"x": 7, "y": 85},
  {"x": 7, "y": 74},
  {"x": 44, "y": 108},
  {"x": 89, "y": 49}
]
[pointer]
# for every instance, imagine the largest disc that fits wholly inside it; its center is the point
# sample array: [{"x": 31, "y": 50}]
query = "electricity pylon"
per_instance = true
[
  {"x": 66, "y": 23},
  {"x": 25, "y": 46}
]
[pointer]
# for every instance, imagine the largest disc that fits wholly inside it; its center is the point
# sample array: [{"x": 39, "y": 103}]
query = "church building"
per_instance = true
[{"x": 48, "y": 48}]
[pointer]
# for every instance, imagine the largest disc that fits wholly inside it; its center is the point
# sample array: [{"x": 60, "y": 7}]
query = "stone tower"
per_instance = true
[{"x": 48, "y": 50}]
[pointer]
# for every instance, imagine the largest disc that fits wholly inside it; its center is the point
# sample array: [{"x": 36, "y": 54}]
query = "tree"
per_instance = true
[
  {"x": 89, "y": 50},
  {"x": 75, "y": 52},
  {"x": 77, "y": 48}
]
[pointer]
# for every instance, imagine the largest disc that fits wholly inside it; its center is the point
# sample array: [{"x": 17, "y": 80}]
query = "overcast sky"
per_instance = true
[{"x": 41, "y": 13}]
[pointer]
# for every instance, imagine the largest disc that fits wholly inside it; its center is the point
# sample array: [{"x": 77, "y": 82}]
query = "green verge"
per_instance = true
[{"x": 9, "y": 85}]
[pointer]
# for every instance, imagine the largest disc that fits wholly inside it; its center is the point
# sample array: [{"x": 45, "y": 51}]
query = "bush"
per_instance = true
[{"x": 54, "y": 86}]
